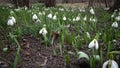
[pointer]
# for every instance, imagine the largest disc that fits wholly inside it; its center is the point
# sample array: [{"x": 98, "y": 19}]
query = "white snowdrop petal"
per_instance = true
[
  {"x": 10, "y": 22},
  {"x": 114, "y": 64},
  {"x": 105, "y": 64},
  {"x": 91, "y": 45},
  {"x": 13, "y": 18},
  {"x": 96, "y": 45}
]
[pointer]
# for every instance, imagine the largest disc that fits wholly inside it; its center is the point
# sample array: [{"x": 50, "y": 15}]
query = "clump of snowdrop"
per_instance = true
[
  {"x": 64, "y": 18},
  {"x": 92, "y": 11},
  {"x": 11, "y": 21},
  {"x": 35, "y": 18},
  {"x": 61, "y": 9},
  {"x": 49, "y": 15},
  {"x": 115, "y": 24},
  {"x": 94, "y": 43},
  {"x": 110, "y": 64},
  {"x": 43, "y": 31}
]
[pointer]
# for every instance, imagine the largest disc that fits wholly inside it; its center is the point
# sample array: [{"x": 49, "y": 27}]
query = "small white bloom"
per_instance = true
[
  {"x": 40, "y": 13},
  {"x": 92, "y": 11},
  {"x": 54, "y": 17},
  {"x": 94, "y": 43},
  {"x": 43, "y": 31},
  {"x": 83, "y": 55},
  {"x": 11, "y": 12},
  {"x": 10, "y": 22},
  {"x": 118, "y": 18},
  {"x": 115, "y": 24},
  {"x": 64, "y": 18},
  {"x": 38, "y": 21},
  {"x": 85, "y": 18},
  {"x": 112, "y": 63},
  {"x": 77, "y": 18},
  {"x": 50, "y": 15},
  {"x": 13, "y": 18},
  {"x": 73, "y": 19},
  {"x": 34, "y": 17}
]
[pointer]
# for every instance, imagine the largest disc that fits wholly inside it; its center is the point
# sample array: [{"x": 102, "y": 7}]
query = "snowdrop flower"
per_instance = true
[
  {"x": 73, "y": 19},
  {"x": 77, "y": 18},
  {"x": 83, "y": 55},
  {"x": 34, "y": 17},
  {"x": 118, "y": 18},
  {"x": 92, "y": 11},
  {"x": 38, "y": 21},
  {"x": 113, "y": 15},
  {"x": 40, "y": 13},
  {"x": 13, "y": 19},
  {"x": 10, "y": 22},
  {"x": 115, "y": 24},
  {"x": 11, "y": 12},
  {"x": 94, "y": 20},
  {"x": 85, "y": 18},
  {"x": 64, "y": 18},
  {"x": 111, "y": 63},
  {"x": 43, "y": 31},
  {"x": 54, "y": 17},
  {"x": 50, "y": 15},
  {"x": 94, "y": 43}
]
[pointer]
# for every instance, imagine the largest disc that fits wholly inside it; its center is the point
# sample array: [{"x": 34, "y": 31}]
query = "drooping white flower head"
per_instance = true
[
  {"x": 50, "y": 15},
  {"x": 115, "y": 24},
  {"x": 43, "y": 31},
  {"x": 92, "y": 11},
  {"x": 11, "y": 12},
  {"x": 85, "y": 18},
  {"x": 111, "y": 63},
  {"x": 40, "y": 13},
  {"x": 13, "y": 19},
  {"x": 34, "y": 17},
  {"x": 118, "y": 18},
  {"x": 74, "y": 19},
  {"x": 83, "y": 55},
  {"x": 54, "y": 17},
  {"x": 77, "y": 18},
  {"x": 94, "y": 43},
  {"x": 64, "y": 18},
  {"x": 10, "y": 22}
]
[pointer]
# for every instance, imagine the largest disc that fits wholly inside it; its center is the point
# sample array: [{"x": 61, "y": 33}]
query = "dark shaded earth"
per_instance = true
[{"x": 34, "y": 54}]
